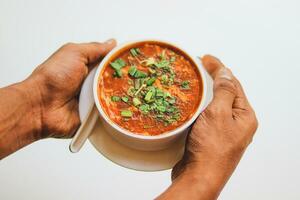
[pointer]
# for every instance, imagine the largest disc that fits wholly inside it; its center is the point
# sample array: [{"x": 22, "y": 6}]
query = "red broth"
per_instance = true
[{"x": 150, "y": 88}]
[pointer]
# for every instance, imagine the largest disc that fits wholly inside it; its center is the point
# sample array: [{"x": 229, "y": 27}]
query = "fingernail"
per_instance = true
[
  {"x": 110, "y": 41},
  {"x": 225, "y": 73}
]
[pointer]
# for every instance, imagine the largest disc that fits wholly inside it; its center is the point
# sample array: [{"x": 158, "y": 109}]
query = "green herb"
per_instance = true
[
  {"x": 159, "y": 93},
  {"x": 172, "y": 100},
  {"x": 185, "y": 85},
  {"x": 144, "y": 108},
  {"x": 161, "y": 108},
  {"x": 117, "y": 73},
  {"x": 149, "y": 61},
  {"x": 140, "y": 74},
  {"x": 136, "y": 101},
  {"x": 117, "y": 65},
  {"x": 150, "y": 81},
  {"x": 132, "y": 70},
  {"x": 162, "y": 64},
  {"x": 125, "y": 99},
  {"x": 126, "y": 113},
  {"x": 148, "y": 96},
  {"x": 115, "y": 98},
  {"x": 135, "y": 51}
]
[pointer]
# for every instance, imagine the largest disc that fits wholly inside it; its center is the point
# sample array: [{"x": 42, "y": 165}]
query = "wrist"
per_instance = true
[
  {"x": 29, "y": 92},
  {"x": 206, "y": 177}
]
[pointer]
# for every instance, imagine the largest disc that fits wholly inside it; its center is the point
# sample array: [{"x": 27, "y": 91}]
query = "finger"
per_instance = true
[
  {"x": 94, "y": 51},
  {"x": 224, "y": 92},
  {"x": 211, "y": 64}
]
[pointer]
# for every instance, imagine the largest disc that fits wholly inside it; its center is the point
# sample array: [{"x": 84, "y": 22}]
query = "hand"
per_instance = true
[
  {"x": 57, "y": 83},
  {"x": 217, "y": 140}
]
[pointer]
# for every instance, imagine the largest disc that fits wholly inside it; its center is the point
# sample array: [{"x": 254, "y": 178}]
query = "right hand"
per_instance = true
[
  {"x": 223, "y": 131},
  {"x": 54, "y": 87}
]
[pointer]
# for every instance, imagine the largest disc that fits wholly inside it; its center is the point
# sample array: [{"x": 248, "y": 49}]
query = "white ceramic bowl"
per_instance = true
[{"x": 140, "y": 142}]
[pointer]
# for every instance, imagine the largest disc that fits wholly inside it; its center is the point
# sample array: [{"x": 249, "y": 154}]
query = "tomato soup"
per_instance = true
[{"x": 150, "y": 88}]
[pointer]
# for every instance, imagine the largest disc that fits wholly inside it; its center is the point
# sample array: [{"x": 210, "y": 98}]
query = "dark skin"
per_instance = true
[{"x": 46, "y": 105}]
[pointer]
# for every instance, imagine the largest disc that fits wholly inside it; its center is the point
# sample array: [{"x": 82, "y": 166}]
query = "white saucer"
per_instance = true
[{"x": 121, "y": 154}]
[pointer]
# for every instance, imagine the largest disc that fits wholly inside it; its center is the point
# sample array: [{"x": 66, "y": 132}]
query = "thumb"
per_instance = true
[
  {"x": 94, "y": 51},
  {"x": 224, "y": 89}
]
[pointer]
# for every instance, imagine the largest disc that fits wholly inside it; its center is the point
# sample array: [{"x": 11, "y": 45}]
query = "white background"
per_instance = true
[{"x": 258, "y": 40}]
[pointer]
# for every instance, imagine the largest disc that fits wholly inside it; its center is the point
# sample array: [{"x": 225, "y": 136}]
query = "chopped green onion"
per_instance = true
[
  {"x": 161, "y": 108},
  {"x": 132, "y": 70},
  {"x": 136, "y": 73},
  {"x": 136, "y": 101},
  {"x": 148, "y": 96},
  {"x": 159, "y": 93},
  {"x": 149, "y": 61},
  {"x": 144, "y": 108},
  {"x": 117, "y": 65},
  {"x": 150, "y": 81},
  {"x": 185, "y": 85},
  {"x": 134, "y": 51},
  {"x": 140, "y": 74},
  {"x": 125, "y": 99},
  {"x": 118, "y": 73},
  {"x": 126, "y": 113},
  {"x": 115, "y": 98}
]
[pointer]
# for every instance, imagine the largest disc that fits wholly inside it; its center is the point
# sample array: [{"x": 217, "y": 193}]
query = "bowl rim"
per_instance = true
[{"x": 168, "y": 134}]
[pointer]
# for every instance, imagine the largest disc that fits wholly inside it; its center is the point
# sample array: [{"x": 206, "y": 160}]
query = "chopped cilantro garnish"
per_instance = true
[
  {"x": 159, "y": 93},
  {"x": 136, "y": 101},
  {"x": 161, "y": 108},
  {"x": 125, "y": 99},
  {"x": 126, "y": 113},
  {"x": 144, "y": 108},
  {"x": 148, "y": 96},
  {"x": 149, "y": 61},
  {"x": 135, "y": 51},
  {"x": 117, "y": 65},
  {"x": 132, "y": 70},
  {"x": 150, "y": 81},
  {"x": 162, "y": 64},
  {"x": 140, "y": 74},
  {"x": 115, "y": 98},
  {"x": 185, "y": 85}
]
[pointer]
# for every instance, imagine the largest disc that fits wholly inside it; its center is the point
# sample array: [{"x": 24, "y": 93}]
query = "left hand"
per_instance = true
[{"x": 56, "y": 84}]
